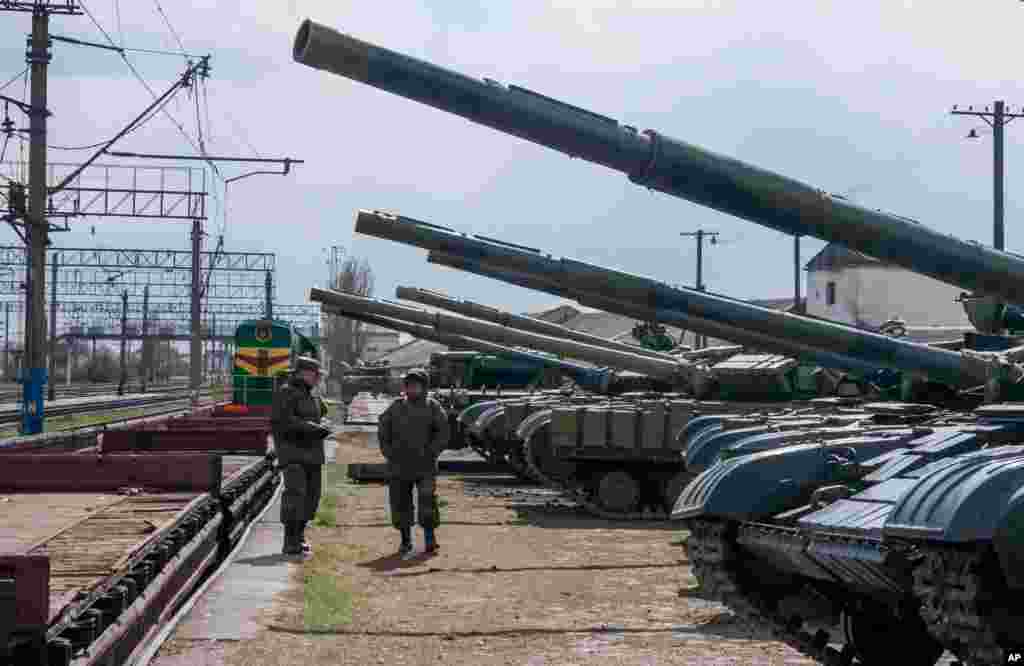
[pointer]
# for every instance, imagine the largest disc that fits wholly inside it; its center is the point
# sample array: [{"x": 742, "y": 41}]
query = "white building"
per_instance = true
[
  {"x": 845, "y": 285},
  {"x": 379, "y": 341}
]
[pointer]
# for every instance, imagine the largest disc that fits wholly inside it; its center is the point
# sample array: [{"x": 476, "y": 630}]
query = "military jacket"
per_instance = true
[
  {"x": 294, "y": 421},
  {"x": 412, "y": 434}
]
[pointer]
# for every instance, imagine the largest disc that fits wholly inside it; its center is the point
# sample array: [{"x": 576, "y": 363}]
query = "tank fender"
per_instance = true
[
  {"x": 494, "y": 416},
  {"x": 768, "y": 482},
  {"x": 703, "y": 453},
  {"x": 693, "y": 426},
  {"x": 754, "y": 486},
  {"x": 1009, "y": 541},
  {"x": 699, "y": 435},
  {"x": 965, "y": 502},
  {"x": 468, "y": 415},
  {"x": 765, "y": 442},
  {"x": 532, "y": 424}
]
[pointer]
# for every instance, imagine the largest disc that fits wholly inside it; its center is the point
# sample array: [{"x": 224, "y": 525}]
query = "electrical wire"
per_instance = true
[
  {"x": 117, "y": 12},
  {"x": 149, "y": 88},
  {"x": 16, "y": 77},
  {"x": 170, "y": 27}
]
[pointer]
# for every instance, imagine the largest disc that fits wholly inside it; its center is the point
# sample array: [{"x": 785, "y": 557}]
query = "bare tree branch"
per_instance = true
[{"x": 345, "y": 338}]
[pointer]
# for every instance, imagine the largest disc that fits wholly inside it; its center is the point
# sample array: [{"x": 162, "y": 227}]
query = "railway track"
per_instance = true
[
  {"x": 89, "y": 406},
  {"x": 13, "y": 394}
]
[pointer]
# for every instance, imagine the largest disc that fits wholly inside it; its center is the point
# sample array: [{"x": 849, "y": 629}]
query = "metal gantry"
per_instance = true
[
  {"x": 83, "y": 257},
  {"x": 109, "y": 190},
  {"x": 99, "y": 272}
]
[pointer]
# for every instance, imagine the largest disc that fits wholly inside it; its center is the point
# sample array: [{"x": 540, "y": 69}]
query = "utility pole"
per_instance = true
[
  {"x": 196, "y": 342},
  {"x": 997, "y": 118},
  {"x": 797, "y": 306},
  {"x": 700, "y": 235},
  {"x": 7, "y": 347},
  {"x": 33, "y": 373},
  {"x": 53, "y": 327},
  {"x": 124, "y": 341},
  {"x": 147, "y": 349},
  {"x": 269, "y": 309}
]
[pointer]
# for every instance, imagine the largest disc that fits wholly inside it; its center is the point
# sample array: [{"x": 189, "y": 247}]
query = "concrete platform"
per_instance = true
[{"x": 231, "y": 608}]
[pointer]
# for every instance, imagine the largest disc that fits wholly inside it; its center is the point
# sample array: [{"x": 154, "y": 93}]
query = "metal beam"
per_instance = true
[
  {"x": 83, "y": 257},
  {"x": 110, "y": 190}
]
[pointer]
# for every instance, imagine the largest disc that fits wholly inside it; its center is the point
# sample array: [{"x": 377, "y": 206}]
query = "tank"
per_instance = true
[
  {"x": 456, "y": 402},
  {"x": 849, "y": 542}
]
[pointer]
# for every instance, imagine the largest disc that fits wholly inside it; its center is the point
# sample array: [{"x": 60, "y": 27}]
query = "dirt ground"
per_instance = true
[{"x": 522, "y": 578}]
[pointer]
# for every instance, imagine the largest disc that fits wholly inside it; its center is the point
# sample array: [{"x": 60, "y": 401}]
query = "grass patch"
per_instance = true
[
  {"x": 681, "y": 540},
  {"x": 328, "y": 597},
  {"x": 335, "y": 484}
]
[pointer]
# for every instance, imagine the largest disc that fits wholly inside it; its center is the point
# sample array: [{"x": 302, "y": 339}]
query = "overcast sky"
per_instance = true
[{"x": 850, "y": 97}]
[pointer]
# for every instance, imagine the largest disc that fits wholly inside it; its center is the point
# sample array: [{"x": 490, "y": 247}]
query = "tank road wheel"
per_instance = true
[
  {"x": 870, "y": 631},
  {"x": 674, "y": 488},
  {"x": 618, "y": 491}
]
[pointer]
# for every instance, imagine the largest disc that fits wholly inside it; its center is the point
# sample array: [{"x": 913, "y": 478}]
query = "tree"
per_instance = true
[{"x": 345, "y": 339}]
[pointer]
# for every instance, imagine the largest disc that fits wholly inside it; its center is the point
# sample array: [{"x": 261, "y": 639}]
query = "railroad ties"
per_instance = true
[{"x": 103, "y": 532}]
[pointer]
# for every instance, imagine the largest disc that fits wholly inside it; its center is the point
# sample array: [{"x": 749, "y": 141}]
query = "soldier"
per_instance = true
[
  {"x": 299, "y": 446},
  {"x": 413, "y": 431}
]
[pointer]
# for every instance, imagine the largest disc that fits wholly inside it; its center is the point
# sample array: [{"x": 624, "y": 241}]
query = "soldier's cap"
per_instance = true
[
  {"x": 306, "y": 363},
  {"x": 416, "y": 375}
]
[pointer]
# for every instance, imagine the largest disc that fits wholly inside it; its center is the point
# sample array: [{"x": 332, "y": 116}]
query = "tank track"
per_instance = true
[
  {"x": 953, "y": 590},
  {"x": 584, "y": 498},
  {"x": 712, "y": 559},
  {"x": 949, "y": 582}
]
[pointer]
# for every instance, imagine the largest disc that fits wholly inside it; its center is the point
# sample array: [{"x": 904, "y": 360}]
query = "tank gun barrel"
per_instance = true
[
  {"x": 522, "y": 322},
  {"x": 856, "y": 349},
  {"x": 659, "y": 162},
  {"x": 752, "y": 339},
  {"x": 597, "y": 379},
  {"x": 679, "y": 372}
]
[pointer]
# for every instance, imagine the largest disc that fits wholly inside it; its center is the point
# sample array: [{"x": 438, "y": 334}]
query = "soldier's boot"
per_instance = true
[
  {"x": 306, "y": 547},
  {"x": 292, "y": 538},
  {"x": 405, "y": 550},
  {"x": 430, "y": 539}
]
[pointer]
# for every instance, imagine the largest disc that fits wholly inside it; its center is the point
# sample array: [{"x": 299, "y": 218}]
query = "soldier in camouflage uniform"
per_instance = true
[
  {"x": 413, "y": 432},
  {"x": 299, "y": 446}
]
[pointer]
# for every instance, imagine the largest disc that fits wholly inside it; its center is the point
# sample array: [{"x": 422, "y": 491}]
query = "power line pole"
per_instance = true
[
  {"x": 997, "y": 118},
  {"x": 797, "y": 306},
  {"x": 7, "y": 347},
  {"x": 147, "y": 347},
  {"x": 33, "y": 373},
  {"x": 53, "y": 327},
  {"x": 124, "y": 342},
  {"x": 269, "y": 308},
  {"x": 196, "y": 346},
  {"x": 700, "y": 235}
]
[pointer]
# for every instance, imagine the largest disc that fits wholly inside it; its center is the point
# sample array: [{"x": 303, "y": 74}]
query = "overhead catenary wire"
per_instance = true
[
  {"x": 146, "y": 85},
  {"x": 15, "y": 78},
  {"x": 170, "y": 27},
  {"x": 117, "y": 13}
]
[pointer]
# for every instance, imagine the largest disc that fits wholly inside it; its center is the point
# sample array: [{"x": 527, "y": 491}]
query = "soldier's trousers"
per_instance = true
[
  {"x": 400, "y": 499},
  {"x": 301, "y": 496}
]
